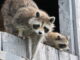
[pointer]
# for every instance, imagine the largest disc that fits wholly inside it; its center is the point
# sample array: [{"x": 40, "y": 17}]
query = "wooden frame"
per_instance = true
[
  {"x": 70, "y": 23},
  {"x": 43, "y": 52},
  {"x": 77, "y": 26},
  {"x": 66, "y": 22}
]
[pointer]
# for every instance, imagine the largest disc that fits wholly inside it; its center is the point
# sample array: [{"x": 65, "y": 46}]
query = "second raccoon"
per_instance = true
[{"x": 57, "y": 41}]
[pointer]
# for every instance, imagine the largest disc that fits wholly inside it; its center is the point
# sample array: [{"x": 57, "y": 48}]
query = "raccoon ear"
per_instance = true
[
  {"x": 52, "y": 19},
  {"x": 37, "y": 14},
  {"x": 58, "y": 38}
]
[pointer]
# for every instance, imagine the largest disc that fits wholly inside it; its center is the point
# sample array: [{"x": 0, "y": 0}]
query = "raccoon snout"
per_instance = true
[
  {"x": 40, "y": 32},
  {"x": 62, "y": 45}
]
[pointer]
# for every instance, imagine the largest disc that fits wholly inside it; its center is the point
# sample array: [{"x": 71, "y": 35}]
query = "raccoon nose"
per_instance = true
[
  {"x": 40, "y": 32},
  {"x": 62, "y": 45}
]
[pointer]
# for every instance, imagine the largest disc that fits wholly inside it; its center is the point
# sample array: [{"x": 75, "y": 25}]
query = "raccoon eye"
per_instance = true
[
  {"x": 46, "y": 29},
  {"x": 62, "y": 45},
  {"x": 35, "y": 26}
]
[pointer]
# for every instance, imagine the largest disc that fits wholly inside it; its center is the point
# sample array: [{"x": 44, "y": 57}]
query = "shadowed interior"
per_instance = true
[
  {"x": 51, "y": 7},
  {"x": 1, "y": 18}
]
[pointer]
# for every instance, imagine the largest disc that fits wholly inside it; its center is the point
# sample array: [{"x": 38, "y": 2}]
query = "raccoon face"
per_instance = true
[
  {"x": 61, "y": 43},
  {"x": 42, "y": 25},
  {"x": 57, "y": 41}
]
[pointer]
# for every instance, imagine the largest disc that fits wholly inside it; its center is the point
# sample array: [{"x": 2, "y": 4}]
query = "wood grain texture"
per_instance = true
[
  {"x": 0, "y": 41},
  {"x": 64, "y": 55},
  {"x": 66, "y": 21},
  {"x": 44, "y": 52},
  {"x": 16, "y": 49},
  {"x": 73, "y": 57},
  {"x": 14, "y": 45},
  {"x": 9, "y": 56},
  {"x": 77, "y": 23}
]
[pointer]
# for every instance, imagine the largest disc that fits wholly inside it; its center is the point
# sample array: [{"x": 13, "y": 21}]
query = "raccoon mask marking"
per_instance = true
[
  {"x": 41, "y": 25},
  {"x": 57, "y": 41}
]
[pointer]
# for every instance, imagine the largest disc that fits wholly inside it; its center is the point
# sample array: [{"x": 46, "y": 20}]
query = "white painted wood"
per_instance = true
[
  {"x": 9, "y": 56},
  {"x": 45, "y": 52},
  {"x": 0, "y": 41},
  {"x": 77, "y": 23},
  {"x": 30, "y": 48},
  {"x": 64, "y": 55},
  {"x": 52, "y": 53},
  {"x": 73, "y": 57},
  {"x": 16, "y": 49},
  {"x": 75, "y": 27},
  {"x": 14, "y": 45},
  {"x": 66, "y": 21}
]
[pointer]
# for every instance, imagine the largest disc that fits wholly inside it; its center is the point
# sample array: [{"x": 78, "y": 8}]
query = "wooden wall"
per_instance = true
[
  {"x": 77, "y": 24},
  {"x": 13, "y": 48},
  {"x": 66, "y": 22},
  {"x": 45, "y": 52}
]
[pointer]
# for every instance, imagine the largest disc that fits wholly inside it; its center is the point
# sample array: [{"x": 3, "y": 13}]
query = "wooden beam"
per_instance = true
[
  {"x": 66, "y": 22},
  {"x": 14, "y": 45},
  {"x": 0, "y": 41},
  {"x": 77, "y": 25},
  {"x": 45, "y": 52},
  {"x": 64, "y": 55},
  {"x": 73, "y": 57},
  {"x": 9, "y": 56}
]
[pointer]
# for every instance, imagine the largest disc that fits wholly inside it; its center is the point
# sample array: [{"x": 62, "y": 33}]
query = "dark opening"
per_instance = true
[
  {"x": 51, "y": 7},
  {"x": 1, "y": 18}
]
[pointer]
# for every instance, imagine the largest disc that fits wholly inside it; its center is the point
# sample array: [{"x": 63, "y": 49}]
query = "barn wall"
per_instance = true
[
  {"x": 77, "y": 24},
  {"x": 66, "y": 22},
  {"x": 16, "y": 49}
]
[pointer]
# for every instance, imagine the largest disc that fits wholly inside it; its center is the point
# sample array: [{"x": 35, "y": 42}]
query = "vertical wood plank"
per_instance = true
[
  {"x": 45, "y": 52},
  {"x": 9, "y": 56},
  {"x": 77, "y": 27},
  {"x": 64, "y": 55},
  {"x": 66, "y": 21},
  {"x": 73, "y": 57},
  {"x": 40, "y": 53},
  {"x": 30, "y": 48},
  {"x": 14, "y": 45},
  {"x": 52, "y": 53},
  {"x": 0, "y": 41}
]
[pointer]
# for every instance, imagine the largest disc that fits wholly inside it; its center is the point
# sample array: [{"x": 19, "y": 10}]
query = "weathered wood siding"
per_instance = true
[
  {"x": 77, "y": 24},
  {"x": 14, "y": 48},
  {"x": 0, "y": 41},
  {"x": 66, "y": 21},
  {"x": 9, "y": 56},
  {"x": 45, "y": 52},
  {"x": 13, "y": 44}
]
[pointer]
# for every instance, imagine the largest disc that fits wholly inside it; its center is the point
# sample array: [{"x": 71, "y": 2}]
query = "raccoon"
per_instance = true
[
  {"x": 35, "y": 26},
  {"x": 57, "y": 41},
  {"x": 33, "y": 20},
  {"x": 25, "y": 18},
  {"x": 20, "y": 14}
]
